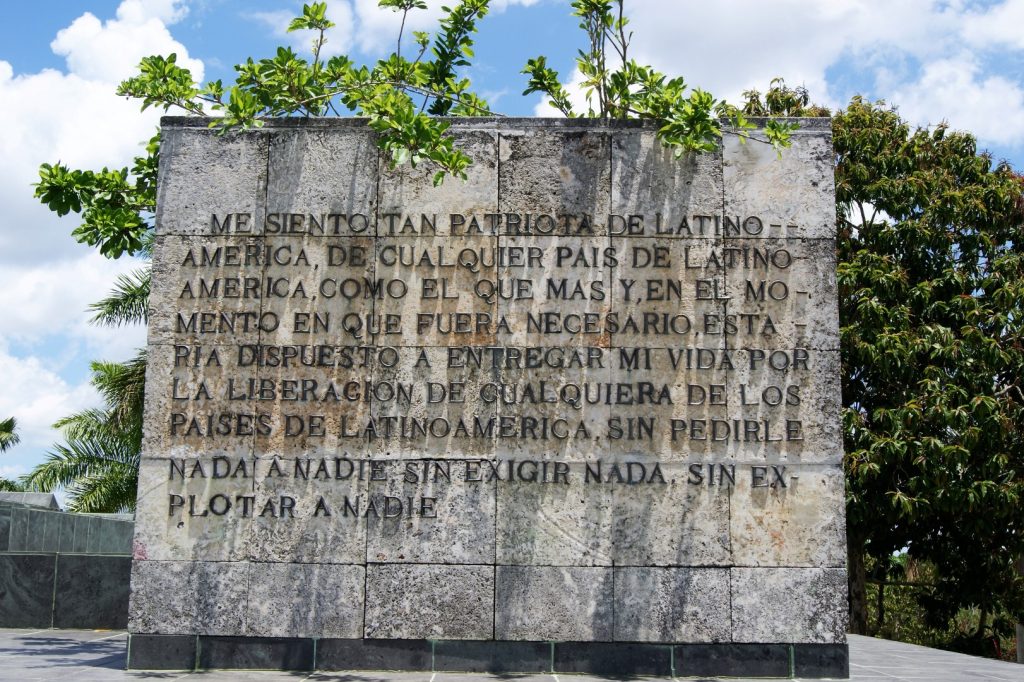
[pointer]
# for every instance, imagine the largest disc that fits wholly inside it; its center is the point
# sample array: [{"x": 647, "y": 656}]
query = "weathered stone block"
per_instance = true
[
  {"x": 431, "y": 513},
  {"x": 545, "y": 524},
  {"x": 795, "y": 394},
  {"x": 783, "y": 293},
  {"x": 309, "y": 409},
  {"x": 663, "y": 292},
  {"x": 322, "y": 182},
  {"x": 203, "y": 289},
  {"x": 797, "y": 605},
  {"x": 794, "y": 193},
  {"x": 412, "y": 205},
  {"x": 448, "y": 602},
  {"x": 554, "y": 290},
  {"x": 668, "y": 192},
  {"x": 679, "y": 522},
  {"x": 779, "y": 520},
  {"x": 556, "y": 412},
  {"x": 433, "y": 290},
  {"x": 561, "y": 179},
  {"x": 442, "y": 403},
  {"x": 310, "y": 509},
  {"x": 189, "y": 408},
  {"x": 554, "y": 603},
  {"x": 188, "y": 597},
  {"x": 204, "y": 174},
  {"x": 305, "y": 600},
  {"x": 589, "y": 394},
  {"x": 672, "y": 605},
  {"x": 194, "y": 508},
  {"x": 316, "y": 288}
]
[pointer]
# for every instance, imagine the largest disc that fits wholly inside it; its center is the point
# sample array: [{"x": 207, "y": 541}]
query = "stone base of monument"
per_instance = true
[{"x": 191, "y": 652}]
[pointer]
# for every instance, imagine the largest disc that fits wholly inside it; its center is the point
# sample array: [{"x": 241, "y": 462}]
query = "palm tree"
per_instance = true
[
  {"x": 8, "y": 434},
  {"x": 98, "y": 463},
  {"x": 8, "y": 439}
]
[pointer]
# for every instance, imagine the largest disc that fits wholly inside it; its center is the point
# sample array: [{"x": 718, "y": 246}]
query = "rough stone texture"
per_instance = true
[
  {"x": 448, "y": 602},
  {"x": 203, "y": 286},
  {"x": 545, "y": 403},
  {"x": 671, "y": 524},
  {"x": 768, "y": 384},
  {"x": 188, "y": 530},
  {"x": 554, "y": 524},
  {"x": 553, "y": 603},
  {"x": 203, "y": 173},
  {"x": 424, "y": 374},
  {"x": 310, "y": 532},
  {"x": 311, "y": 282},
  {"x": 410, "y": 193},
  {"x": 188, "y": 597},
  {"x": 180, "y": 400},
  {"x": 802, "y": 524},
  {"x": 323, "y": 172},
  {"x": 453, "y": 266},
  {"x": 579, "y": 282},
  {"x": 648, "y": 180},
  {"x": 672, "y": 605},
  {"x": 555, "y": 172},
  {"x": 797, "y": 605},
  {"x": 457, "y": 528},
  {"x": 306, "y": 600},
  {"x": 797, "y": 191},
  {"x": 808, "y": 317}
]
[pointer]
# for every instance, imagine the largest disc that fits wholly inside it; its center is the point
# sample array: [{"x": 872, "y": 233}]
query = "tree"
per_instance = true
[
  {"x": 8, "y": 434},
  {"x": 8, "y": 439},
  {"x": 931, "y": 276},
  {"x": 98, "y": 463}
]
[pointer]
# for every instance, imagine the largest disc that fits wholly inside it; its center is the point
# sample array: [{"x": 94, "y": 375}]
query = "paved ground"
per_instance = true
[{"x": 99, "y": 656}]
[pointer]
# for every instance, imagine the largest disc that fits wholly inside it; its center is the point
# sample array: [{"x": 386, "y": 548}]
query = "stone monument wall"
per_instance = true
[{"x": 578, "y": 412}]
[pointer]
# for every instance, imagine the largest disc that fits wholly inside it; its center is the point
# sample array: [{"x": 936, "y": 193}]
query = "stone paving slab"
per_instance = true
[{"x": 99, "y": 656}]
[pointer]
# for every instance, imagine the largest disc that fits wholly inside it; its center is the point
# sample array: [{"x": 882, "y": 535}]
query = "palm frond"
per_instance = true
[
  {"x": 123, "y": 387},
  {"x": 8, "y": 434},
  {"x": 77, "y": 464},
  {"x": 111, "y": 491},
  {"x": 127, "y": 303}
]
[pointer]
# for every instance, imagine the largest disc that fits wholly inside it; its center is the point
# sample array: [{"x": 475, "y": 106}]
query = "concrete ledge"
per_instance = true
[
  {"x": 616, "y": 659},
  {"x": 740, "y": 660}
]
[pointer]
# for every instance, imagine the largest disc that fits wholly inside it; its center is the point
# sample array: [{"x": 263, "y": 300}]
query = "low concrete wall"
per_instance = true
[
  {"x": 64, "y": 590},
  {"x": 25, "y": 529},
  {"x": 63, "y": 570}
]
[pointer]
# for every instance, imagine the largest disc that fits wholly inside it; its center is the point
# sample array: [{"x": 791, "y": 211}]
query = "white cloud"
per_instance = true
[
  {"x": 903, "y": 46},
  {"x": 55, "y": 299},
  {"x": 956, "y": 91},
  {"x": 75, "y": 117},
  {"x": 109, "y": 51},
  {"x": 139, "y": 11},
  {"x": 37, "y": 396},
  {"x": 997, "y": 26}
]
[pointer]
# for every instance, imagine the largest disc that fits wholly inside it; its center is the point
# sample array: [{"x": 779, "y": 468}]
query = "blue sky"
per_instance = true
[{"x": 937, "y": 60}]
